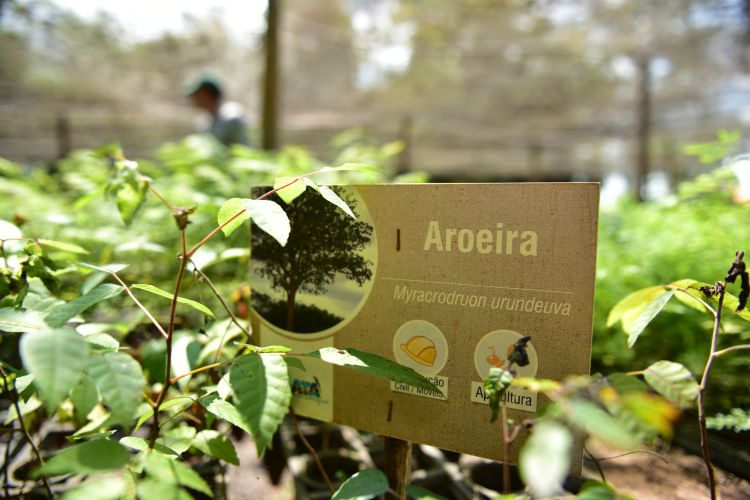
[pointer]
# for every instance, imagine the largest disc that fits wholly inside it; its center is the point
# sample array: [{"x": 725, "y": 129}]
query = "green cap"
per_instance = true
[{"x": 205, "y": 79}]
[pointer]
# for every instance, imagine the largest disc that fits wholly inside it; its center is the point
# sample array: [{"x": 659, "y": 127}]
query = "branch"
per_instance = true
[
  {"x": 198, "y": 370},
  {"x": 730, "y": 349},
  {"x": 161, "y": 198},
  {"x": 702, "y": 392},
  {"x": 666, "y": 461},
  {"x": 170, "y": 331},
  {"x": 205, "y": 278},
  {"x": 312, "y": 452},
  {"x": 13, "y": 396},
  {"x": 140, "y": 306}
]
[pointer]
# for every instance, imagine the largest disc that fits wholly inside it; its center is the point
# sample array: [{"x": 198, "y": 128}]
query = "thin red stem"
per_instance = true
[
  {"x": 170, "y": 332},
  {"x": 702, "y": 395},
  {"x": 198, "y": 370},
  {"x": 140, "y": 306}
]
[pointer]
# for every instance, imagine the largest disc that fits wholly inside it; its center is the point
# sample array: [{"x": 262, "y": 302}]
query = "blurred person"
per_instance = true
[{"x": 227, "y": 120}]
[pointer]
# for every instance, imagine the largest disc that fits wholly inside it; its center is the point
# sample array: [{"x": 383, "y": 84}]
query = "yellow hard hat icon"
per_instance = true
[{"x": 420, "y": 349}]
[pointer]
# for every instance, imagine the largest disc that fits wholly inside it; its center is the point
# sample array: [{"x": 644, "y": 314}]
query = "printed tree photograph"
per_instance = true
[{"x": 325, "y": 270}]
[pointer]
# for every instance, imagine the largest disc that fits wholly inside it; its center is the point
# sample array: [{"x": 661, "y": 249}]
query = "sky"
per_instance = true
[{"x": 146, "y": 19}]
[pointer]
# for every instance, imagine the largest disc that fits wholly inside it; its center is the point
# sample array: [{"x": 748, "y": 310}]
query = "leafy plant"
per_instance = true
[
  {"x": 673, "y": 380},
  {"x": 84, "y": 377}
]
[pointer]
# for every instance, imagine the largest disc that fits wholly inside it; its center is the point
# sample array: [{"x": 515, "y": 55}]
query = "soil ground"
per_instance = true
[{"x": 672, "y": 474}]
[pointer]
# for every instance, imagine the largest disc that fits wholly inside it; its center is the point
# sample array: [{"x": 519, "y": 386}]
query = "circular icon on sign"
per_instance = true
[
  {"x": 494, "y": 349},
  {"x": 420, "y": 345}
]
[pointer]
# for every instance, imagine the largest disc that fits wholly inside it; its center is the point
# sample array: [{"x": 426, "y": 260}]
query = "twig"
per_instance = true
[
  {"x": 702, "y": 393},
  {"x": 12, "y": 429},
  {"x": 312, "y": 451},
  {"x": 6, "y": 462},
  {"x": 198, "y": 370},
  {"x": 730, "y": 349},
  {"x": 632, "y": 452},
  {"x": 161, "y": 198},
  {"x": 13, "y": 396},
  {"x": 213, "y": 289},
  {"x": 140, "y": 306},
  {"x": 596, "y": 462},
  {"x": 170, "y": 331},
  {"x": 506, "y": 450}
]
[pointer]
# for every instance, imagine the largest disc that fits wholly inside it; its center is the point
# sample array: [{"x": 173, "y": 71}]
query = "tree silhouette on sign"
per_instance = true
[{"x": 324, "y": 242}]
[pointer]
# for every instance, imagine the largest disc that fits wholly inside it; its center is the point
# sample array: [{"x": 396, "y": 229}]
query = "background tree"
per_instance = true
[{"x": 324, "y": 242}]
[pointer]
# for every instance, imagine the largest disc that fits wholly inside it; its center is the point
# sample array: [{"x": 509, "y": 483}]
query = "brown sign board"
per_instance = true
[{"x": 442, "y": 278}]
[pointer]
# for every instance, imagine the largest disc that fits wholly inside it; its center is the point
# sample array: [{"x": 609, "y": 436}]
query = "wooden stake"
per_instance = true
[{"x": 397, "y": 466}]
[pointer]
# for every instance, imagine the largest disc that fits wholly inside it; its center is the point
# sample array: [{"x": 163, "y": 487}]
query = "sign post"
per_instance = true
[{"x": 440, "y": 278}]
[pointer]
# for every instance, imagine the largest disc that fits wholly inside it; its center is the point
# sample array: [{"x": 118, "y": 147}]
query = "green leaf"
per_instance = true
[
  {"x": 225, "y": 411},
  {"x": 673, "y": 381},
  {"x": 99, "y": 419},
  {"x": 262, "y": 393},
  {"x": 170, "y": 471},
  {"x": 130, "y": 492},
  {"x": 179, "y": 438},
  {"x": 223, "y": 389},
  {"x": 544, "y": 460},
  {"x": 638, "y": 309},
  {"x": 688, "y": 295},
  {"x": 217, "y": 445},
  {"x": 185, "y": 352},
  {"x": 738, "y": 420},
  {"x": 130, "y": 197},
  {"x": 596, "y": 490},
  {"x": 120, "y": 382},
  {"x": 589, "y": 417},
  {"x": 65, "y": 247},
  {"x": 362, "y": 486},
  {"x": 163, "y": 293},
  {"x": 266, "y": 349},
  {"x": 64, "y": 312},
  {"x": 30, "y": 405},
  {"x": 650, "y": 413},
  {"x": 103, "y": 488},
  {"x": 151, "y": 488},
  {"x": 296, "y": 363},
  {"x": 24, "y": 386},
  {"x": 109, "y": 268},
  {"x": 181, "y": 400},
  {"x": 269, "y": 217},
  {"x": 102, "y": 342},
  {"x": 290, "y": 192},
  {"x": 39, "y": 298},
  {"x": 227, "y": 210},
  {"x": 17, "y": 321},
  {"x": 495, "y": 385},
  {"x": 84, "y": 396},
  {"x": 56, "y": 358},
  {"x": 374, "y": 365},
  {"x": 88, "y": 436},
  {"x": 626, "y": 384},
  {"x": 330, "y": 195},
  {"x": 90, "y": 457},
  {"x": 140, "y": 444},
  {"x": 419, "y": 493}
]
